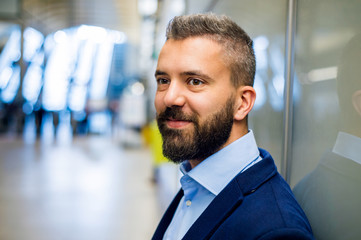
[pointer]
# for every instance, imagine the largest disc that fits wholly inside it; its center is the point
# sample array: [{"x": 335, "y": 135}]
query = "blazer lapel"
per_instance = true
[
  {"x": 219, "y": 209},
  {"x": 167, "y": 217}
]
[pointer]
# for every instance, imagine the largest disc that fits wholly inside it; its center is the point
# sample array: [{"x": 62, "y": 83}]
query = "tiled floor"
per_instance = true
[{"x": 91, "y": 189}]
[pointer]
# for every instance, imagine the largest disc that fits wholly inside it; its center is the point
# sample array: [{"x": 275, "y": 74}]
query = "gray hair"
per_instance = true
[{"x": 237, "y": 45}]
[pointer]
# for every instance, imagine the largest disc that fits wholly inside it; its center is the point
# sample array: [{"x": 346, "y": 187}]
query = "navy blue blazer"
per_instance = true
[{"x": 257, "y": 204}]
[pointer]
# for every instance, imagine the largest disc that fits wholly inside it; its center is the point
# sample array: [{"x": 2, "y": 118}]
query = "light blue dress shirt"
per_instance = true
[{"x": 204, "y": 182}]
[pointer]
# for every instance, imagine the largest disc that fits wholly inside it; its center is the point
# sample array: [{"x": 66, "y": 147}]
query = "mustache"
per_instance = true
[{"x": 175, "y": 113}]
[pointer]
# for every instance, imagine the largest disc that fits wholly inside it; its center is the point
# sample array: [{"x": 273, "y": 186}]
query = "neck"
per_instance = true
[
  {"x": 351, "y": 127},
  {"x": 194, "y": 163}
]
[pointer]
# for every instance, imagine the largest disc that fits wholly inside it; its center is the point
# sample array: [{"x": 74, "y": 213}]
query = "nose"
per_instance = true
[{"x": 174, "y": 95}]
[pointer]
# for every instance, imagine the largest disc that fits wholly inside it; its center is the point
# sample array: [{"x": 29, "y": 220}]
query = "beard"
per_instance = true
[{"x": 202, "y": 140}]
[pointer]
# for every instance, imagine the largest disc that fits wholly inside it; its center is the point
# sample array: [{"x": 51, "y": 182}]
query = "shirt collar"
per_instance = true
[
  {"x": 216, "y": 171},
  {"x": 348, "y": 146}
]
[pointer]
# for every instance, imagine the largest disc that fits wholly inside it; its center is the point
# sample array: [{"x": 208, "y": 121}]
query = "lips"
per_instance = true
[
  {"x": 174, "y": 118},
  {"x": 177, "y": 123}
]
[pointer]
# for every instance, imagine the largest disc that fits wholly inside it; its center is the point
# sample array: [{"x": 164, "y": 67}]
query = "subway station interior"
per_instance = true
[{"x": 80, "y": 154}]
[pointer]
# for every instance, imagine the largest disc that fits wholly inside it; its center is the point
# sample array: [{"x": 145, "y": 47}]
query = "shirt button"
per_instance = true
[{"x": 188, "y": 203}]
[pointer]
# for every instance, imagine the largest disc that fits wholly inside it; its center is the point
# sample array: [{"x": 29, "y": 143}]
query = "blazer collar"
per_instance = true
[{"x": 225, "y": 203}]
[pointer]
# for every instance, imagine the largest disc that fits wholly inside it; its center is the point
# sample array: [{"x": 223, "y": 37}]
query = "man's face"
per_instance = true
[{"x": 194, "y": 99}]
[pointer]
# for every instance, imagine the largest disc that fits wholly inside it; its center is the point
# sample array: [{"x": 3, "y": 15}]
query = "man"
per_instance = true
[
  {"x": 230, "y": 188},
  {"x": 331, "y": 193}
]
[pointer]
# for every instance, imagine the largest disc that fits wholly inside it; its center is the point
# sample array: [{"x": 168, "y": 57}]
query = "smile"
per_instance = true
[{"x": 174, "y": 123}]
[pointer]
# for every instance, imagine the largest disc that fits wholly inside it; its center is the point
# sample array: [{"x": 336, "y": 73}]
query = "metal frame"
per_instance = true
[{"x": 286, "y": 161}]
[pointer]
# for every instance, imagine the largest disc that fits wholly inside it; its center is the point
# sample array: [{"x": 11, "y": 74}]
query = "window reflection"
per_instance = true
[
  {"x": 33, "y": 41},
  {"x": 9, "y": 67},
  {"x": 33, "y": 79},
  {"x": 68, "y": 71},
  {"x": 330, "y": 194},
  {"x": 269, "y": 60},
  {"x": 9, "y": 92}
]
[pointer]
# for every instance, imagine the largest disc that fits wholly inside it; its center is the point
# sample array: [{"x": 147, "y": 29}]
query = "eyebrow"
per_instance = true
[
  {"x": 196, "y": 73},
  {"x": 186, "y": 73},
  {"x": 158, "y": 72}
]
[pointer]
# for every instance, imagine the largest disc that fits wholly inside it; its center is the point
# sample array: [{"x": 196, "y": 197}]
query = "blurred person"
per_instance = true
[
  {"x": 230, "y": 188},
  {"x": 331, "y": 194}
]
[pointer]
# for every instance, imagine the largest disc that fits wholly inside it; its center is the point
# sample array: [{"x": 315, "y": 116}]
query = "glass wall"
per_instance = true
[{"x": 325, "y": 164}]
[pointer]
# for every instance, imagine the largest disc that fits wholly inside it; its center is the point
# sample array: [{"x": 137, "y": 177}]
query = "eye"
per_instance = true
[
  {"x": 195, "y": 82},
  {"x": 162, "y": 84},
  {"x": 162, "y": 81}
]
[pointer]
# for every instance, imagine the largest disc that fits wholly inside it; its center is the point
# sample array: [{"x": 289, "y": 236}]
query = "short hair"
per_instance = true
[{"x": 237, "y": 45}]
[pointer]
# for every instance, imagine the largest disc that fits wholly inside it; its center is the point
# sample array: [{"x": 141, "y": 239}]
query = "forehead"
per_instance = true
[{"x": 191, "y": 52}]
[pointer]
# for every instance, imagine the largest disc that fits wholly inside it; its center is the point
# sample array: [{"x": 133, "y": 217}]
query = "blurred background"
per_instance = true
[{"x": 80, "y": 153}]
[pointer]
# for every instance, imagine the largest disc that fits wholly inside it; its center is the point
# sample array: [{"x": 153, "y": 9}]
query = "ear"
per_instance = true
[
  {"x": 356, "y": 101},
  {"x": 245, "y": 98}
]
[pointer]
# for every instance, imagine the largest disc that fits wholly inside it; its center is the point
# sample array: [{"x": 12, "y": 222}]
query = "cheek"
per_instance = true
[
  {"x": 208, "y": 104},
  {"x": 204, "y": 105},
  {"x": 158, "y": 103}
]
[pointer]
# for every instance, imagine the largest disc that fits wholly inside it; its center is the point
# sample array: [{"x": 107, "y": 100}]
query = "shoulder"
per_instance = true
[
  {"x": 268, "y": 209},
  {"x": 270, "y": 212}
]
